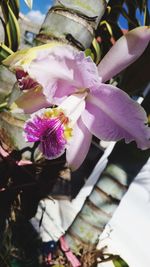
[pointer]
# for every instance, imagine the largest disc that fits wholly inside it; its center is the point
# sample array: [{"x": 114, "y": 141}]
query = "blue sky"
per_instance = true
[
  {"x": 41, "y": 5},
  {"x": 38, "y": 11}
]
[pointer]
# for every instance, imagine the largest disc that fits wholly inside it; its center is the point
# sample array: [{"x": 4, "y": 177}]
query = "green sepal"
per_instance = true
[{"x": 4, "y": 52}]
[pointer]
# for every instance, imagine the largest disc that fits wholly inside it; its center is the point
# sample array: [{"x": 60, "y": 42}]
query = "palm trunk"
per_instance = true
[
  {"x": 98, "y": 209},
  {"x": 72, "y": 22},
  {"x": 124, "y": 163}
]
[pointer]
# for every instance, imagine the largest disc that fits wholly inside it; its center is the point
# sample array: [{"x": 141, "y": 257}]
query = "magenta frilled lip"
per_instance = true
[{"x": 50, "y": 127}]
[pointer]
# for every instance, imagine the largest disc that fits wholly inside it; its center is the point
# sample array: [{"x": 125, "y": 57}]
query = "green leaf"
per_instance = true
[
  {"x": 97, "y": 51},
  {"x": 104, "y": 22},
  {"x": 88, "y": 53},
  {"x": 146, "y": 16},
  {"x": 119, "y": 263},
  {"x": 4, "y": 52},
  {"x": 14, "y": 5},
  {"x": 141, "y": 4},
  {"x": 5, "y": 31},
  {"x": 29, "y": 3},
  {"x": 11, "y": 26},
  {"x": 117, "y": 32},
  {"x": 3, "y": 106}
]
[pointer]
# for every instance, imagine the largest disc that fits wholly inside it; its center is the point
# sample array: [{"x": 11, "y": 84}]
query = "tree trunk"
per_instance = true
[
  {"x": 124, "y": 163},
  {"x": 72, "y": 22}
]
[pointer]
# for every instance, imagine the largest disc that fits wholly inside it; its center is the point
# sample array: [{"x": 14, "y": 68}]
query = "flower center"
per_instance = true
[
  {"x": 52, "y": 129},
  {"x": 82, "y": 91}
]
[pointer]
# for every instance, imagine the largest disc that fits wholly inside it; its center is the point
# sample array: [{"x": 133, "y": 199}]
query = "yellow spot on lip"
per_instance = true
[
  {"x": 59, "y": 113},
  {"x": 48, "y": 114},
  {"x": 68, "y": 133}
]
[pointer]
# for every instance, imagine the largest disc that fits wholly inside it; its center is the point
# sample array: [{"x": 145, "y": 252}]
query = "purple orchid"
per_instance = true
[{"x": 64, "y": 77}]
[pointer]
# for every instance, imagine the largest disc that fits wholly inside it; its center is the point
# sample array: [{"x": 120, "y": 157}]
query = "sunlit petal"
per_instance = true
[
  {"x": 84, "y": 75},
  {"x": 25, "y": 56},
  {"x": 30, "y": 101},
  {"x": 78, "y": 146},
  {"x": 125, "y": 51},
  {"x": 111, "y": 114},
  {"x": 73, "y": 106}
]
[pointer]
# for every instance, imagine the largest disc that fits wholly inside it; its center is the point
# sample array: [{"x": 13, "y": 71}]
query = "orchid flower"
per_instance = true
[{"x": 64, "y": 77}]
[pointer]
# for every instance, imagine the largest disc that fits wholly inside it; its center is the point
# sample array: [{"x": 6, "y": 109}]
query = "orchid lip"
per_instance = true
[{"x": 51, "y": 129}]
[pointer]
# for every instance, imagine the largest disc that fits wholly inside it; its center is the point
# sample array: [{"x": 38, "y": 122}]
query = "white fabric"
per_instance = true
[{"x": 47, "y": 221}]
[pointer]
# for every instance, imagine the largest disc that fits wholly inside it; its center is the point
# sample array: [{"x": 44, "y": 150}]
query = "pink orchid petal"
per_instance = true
[
  {"x": 111, "y": 114},
  {"x": 62, "y": 89},
  {"x": 125, "y": 51},
  {"x": 47, "y": 74},
  {"x": 31, "y": 101},
  {"x": 62, "y": 71},
  {"x": 85, "y": 75},
  {"x": 85, "y": 71},
  {"x": 79, "y": 145},
  {"x": 53, "y": 69}
]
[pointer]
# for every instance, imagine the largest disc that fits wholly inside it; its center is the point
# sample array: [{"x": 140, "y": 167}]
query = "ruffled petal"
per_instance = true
[
  {"x": 85, "y": 71},
  {"x": 63, "y": 72},
  {"x": 125, "y": 51},
  {"x": 111, "y": 114},
  {"x": 53, "y": 73},
  {"x": 60, "y": 70},
  {"x": 50, "y": 66},
  {"x": 85, "y": 75},
  {"x": 78, "y": 146}
]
